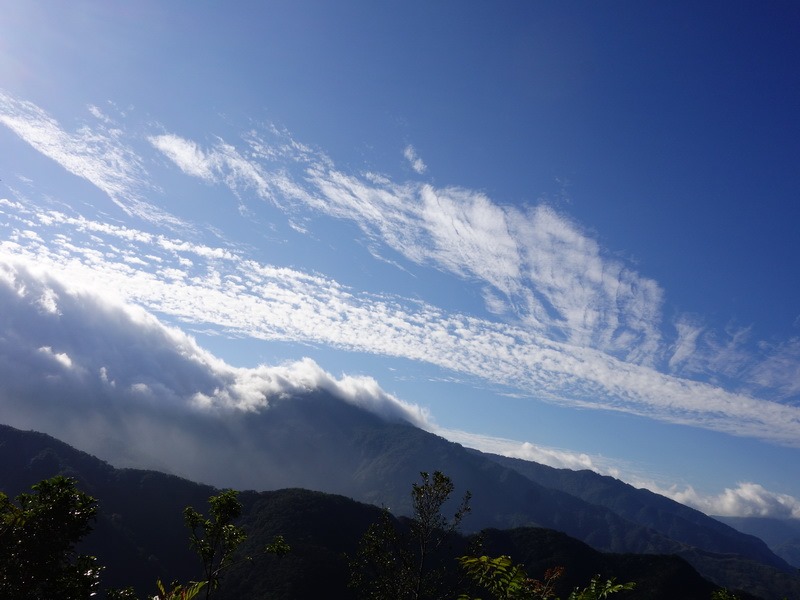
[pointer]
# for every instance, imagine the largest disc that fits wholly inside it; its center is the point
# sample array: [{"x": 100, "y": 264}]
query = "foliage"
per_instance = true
[
  {"x": 598, "y": 589},
  {"x": 505, "y": 580},
  {"x": 38, "y": 534},
  {"x": 723, "y": 594},
  {"x": 176, "y": 592},
  {"x": 215, "y": 538},
  {"x": 428, "y": 499},
  {"x": 278, "y": 546},
  {"x": 394, "y": 564}
]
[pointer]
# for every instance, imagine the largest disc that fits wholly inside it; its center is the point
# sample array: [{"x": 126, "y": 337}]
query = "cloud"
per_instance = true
[
  {"x": 189, "y": 158},
  {"x": 745, "y": 500},
  {"x": 552, "y": 457},
  {"x": 212, "y": 287},
  {"x": 565, "y": 321},
  {"x": 111, "y": 379},
  {"x": 552, "y": 275},
  {"x": 685, "y": 347},
  {"x": 96, "y": 154},
  {"x": 223, "y": 164},
  {"x": 779, "y": 369},
  {"x": 415, "y": 161},
  {"x": 538, "y": 266}
]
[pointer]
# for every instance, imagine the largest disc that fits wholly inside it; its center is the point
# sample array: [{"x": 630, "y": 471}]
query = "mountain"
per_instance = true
[
  {"x": 781, "y": 535},
  {"x": 140, "y": 536},
  {"x": 677, "y": 521},
  {"x": 316, "y": 441}
]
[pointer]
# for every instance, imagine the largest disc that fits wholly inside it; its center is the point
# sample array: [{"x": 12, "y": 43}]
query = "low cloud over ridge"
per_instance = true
[
  {"x": 109, "y": 378},
  {"x": 574, "y": 324},
  {"x": 219, "y": 288}
]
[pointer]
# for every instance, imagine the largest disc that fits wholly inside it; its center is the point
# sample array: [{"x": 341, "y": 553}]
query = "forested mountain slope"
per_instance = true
[{"x": 322, "y": 443}]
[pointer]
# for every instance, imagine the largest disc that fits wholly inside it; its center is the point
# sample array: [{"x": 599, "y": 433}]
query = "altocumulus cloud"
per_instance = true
[
  {"x": 551, "y": 275},
  {"x": 579, "y": 326},
  {"x": 539, "y": 267},
  {"x": 216, "y": 287},
  {"x": 536, "y": 265},
  {"x": 110, "y": 378}
]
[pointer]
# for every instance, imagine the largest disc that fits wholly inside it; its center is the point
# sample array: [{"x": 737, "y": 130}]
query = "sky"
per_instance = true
[{"x": 559, "y": 231}]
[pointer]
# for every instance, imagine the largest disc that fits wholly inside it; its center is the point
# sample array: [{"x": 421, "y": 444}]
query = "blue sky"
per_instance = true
[{"x": 564, "y": 231}]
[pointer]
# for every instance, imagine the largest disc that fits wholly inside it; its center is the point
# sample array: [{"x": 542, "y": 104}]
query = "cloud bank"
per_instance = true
[
  {"x": 747, "y": 499},
  {"x": 212, "y": 286},
  {"x": 111, "y": 379},
  {"x": 544, "y": 277}
]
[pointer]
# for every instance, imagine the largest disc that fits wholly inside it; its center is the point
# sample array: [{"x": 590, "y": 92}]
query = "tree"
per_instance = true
[
  {"x": 38, "y": 534},
  {"x": 395, "y": 564},
  {"x": 215, "y": 539}
]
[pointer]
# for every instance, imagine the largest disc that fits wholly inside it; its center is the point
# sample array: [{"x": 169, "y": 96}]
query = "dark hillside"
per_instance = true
[
  {"x": 140, "y": 534},
  {"x": 679, "y": 522},
  {"x": 655, "y": 576}
]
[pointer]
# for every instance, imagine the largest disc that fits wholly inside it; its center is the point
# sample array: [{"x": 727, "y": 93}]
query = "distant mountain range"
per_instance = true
[
  {"x": 317, "y": 442},
  {"x": 781, "y": 535}
]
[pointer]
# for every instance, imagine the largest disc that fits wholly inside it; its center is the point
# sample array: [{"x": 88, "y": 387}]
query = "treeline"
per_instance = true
[{"x": 242, "y": 556}]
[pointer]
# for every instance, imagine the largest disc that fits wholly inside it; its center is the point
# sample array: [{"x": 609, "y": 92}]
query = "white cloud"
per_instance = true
[
  {"x": 48, "y": 301},
  {"x": 552, "y": 457},
  {"x": 779, "y": 369},
  {"x": 685, "y": 347},
  {"x": 222, "y": 289},
  {"x": 556, "y": 277},
  {"x": 581, "y": 327},
  {"x": 745, "y": 500},
  {"x": 60, "y": 357},
  {"x": 96, "y": 154},
  {"x": 221, "y": 164},
  {"x": 100, "y": 369},
  {"x": 98, "y": 365},
  {"x": 189, "y": 158},
  {"x": 417, "y": 164}
]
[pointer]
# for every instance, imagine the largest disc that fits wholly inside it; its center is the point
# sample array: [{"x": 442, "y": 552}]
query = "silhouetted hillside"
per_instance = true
[{"x": 140, "y": 534}]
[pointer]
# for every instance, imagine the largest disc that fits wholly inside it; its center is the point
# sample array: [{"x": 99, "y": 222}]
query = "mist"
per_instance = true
[{"x": 111, "y": 379}]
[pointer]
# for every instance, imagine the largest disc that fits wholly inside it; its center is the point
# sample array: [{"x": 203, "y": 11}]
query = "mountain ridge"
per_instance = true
[
  {"x": 316, "y": 441},
  {"x": 139, "y": 535},
  {"x": 781, "y": 535},
  {"x": 643, "y": 506}
]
